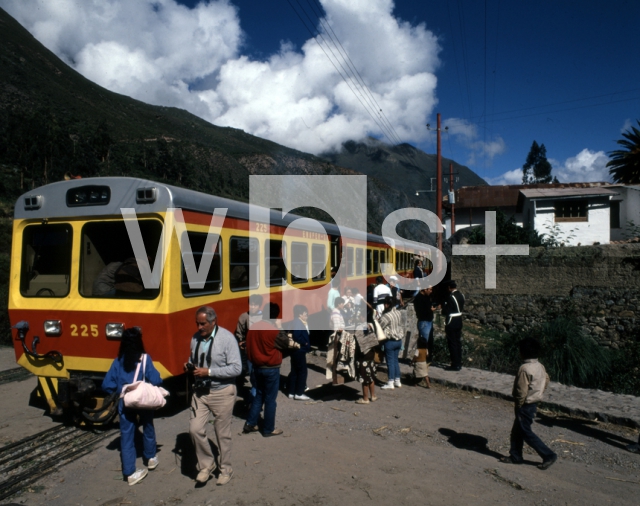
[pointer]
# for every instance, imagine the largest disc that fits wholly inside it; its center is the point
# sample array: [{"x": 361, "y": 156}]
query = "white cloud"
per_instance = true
[
  {"x": 510, "y": 177},
  {"x": 164, "y": 53},
  {"x": 480, "y": 151},
  {"x": 586, "y": 166}
]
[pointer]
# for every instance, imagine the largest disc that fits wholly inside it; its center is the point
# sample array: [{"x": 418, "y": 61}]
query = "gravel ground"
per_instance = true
[{"x": 414, "y": 446}]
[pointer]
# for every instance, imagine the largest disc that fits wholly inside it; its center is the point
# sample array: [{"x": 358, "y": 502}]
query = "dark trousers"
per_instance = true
[
  {"x": 454, "y": 340},
  {"x": 297, "y": 381},
  {"x": 267, "y": 386},
  {"x": 521, "y": 433}
]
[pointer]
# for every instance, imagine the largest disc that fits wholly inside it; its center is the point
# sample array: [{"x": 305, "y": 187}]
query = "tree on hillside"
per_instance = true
[
  {"x": 537, "y": 168},
  {"x": 624, "y": 165}
]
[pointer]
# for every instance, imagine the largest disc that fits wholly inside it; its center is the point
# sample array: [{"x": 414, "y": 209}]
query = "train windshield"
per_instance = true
[
  {"x": 108, "y": 267},
  {"x": 46, "y": 260}
]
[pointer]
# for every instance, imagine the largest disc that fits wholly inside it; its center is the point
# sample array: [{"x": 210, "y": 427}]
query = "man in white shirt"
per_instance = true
[{"x": 380, "y": 293}]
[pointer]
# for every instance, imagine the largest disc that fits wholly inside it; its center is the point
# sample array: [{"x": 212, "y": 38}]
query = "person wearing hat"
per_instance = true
[{"x": 452, "y": 308}]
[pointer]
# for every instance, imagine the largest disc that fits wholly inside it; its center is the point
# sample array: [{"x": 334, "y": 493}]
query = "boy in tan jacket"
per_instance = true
[{"x": 528, "y": 389}]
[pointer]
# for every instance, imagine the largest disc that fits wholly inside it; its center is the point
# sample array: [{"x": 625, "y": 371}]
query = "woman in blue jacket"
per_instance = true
[
  {"x": 121, "y": 373},
  {"x": 297, "y": 382}
]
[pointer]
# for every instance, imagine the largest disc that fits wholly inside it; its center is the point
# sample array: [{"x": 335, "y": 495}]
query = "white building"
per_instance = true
[
  {"x": 572, "y": 213},
  {"x": 625, "y": 212},
  {"x": 571, "y": 216}
]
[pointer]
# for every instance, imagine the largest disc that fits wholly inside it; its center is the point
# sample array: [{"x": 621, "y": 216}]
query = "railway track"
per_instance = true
[
  {"x": 17, "y": 374},
  {"x": 24, "y": 462}
]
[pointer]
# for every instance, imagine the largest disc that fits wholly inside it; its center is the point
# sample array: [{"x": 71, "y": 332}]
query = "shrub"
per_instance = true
[
  {"x": 625, "y": 370},
  {"x": 570, "y": 357}
]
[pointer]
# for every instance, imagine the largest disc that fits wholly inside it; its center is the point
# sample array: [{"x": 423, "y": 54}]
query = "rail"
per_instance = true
[{"x": 26, "y": 461}]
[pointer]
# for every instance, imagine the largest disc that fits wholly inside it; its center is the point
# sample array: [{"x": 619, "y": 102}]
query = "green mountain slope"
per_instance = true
[{"x": 406, "y": 168}]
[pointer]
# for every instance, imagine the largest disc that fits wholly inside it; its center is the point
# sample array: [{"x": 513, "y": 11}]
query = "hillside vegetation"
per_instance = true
[{"x": 54, "y": 122}]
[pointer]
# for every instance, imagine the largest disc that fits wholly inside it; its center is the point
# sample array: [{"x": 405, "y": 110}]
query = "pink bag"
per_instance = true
[{"x": 143, "y": 395}]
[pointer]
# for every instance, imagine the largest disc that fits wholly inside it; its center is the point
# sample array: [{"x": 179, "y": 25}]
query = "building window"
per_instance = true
[
  {"x": 615, "y": 214},
  {"x": 571, "y": 210}
]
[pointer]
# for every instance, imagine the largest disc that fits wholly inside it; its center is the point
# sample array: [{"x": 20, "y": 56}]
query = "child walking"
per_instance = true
[{"x": 528, "y": 389}]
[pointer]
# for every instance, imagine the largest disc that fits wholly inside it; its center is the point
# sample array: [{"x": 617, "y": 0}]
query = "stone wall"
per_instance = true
[
  {"x": 599, "y": 283},
  {"x": 554, "y": 271}
]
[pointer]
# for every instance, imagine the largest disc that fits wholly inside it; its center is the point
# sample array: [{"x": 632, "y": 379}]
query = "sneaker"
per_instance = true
[
  {"x": 137, "y": 477},
  {"x": 223, "y": 479},
  {"x": 397, "y": 384},
  {"x": 153, "y": 463},
  {"x": 203, "y": 475},
  {"x": 373, "y": 399},
  {"x": 546, "y": 464},
  {"x": 302, "y": 397},
  {"x": 362, "y": 401},
  {"x": 387, "y": 386},
  {"x": 291, "y": 396},
  {"x": 276, "y": 432}
]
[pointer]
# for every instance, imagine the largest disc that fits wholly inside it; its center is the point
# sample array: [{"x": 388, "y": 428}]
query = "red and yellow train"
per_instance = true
[{"x": 65, "y": 234}]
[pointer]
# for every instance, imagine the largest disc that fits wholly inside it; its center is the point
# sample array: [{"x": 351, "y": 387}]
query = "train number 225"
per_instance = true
[{"x": 85, "y": 330}]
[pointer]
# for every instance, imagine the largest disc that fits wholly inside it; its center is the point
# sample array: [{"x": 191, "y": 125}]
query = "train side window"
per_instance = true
[
  {"x": 107, "y": 264},
  {"x": 46, "y": 260},
  {"x": 376, "y": 261},
  {"x": 276, "y": 253},
  {"x": 350, "y": 259},
  {"x": 213, "y": 283},
  {"x": 299, "y": 262},
  {"x": 243, "y": 263},
  {"x": 369, "y": 261},
  {"x": 398, "y": 260},
  {"x": 359, "y": 261},
  {"x": 318, "y": 261},
  {"x": 382, "y": 260}
]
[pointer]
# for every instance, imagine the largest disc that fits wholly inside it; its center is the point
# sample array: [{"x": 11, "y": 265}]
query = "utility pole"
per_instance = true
[{"x": 438, "y": 180}]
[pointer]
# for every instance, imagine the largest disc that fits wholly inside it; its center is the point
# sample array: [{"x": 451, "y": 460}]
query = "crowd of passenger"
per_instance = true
[{"x": 365, "y": 331}]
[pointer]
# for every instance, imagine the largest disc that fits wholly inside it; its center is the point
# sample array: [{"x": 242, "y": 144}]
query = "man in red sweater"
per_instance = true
[{"x": 266, "y": 360}]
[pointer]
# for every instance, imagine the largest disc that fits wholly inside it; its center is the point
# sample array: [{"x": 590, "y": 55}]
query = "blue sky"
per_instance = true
[{"x": 502, "y": 74}]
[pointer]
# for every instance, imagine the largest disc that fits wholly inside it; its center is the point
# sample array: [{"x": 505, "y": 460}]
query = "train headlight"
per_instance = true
[
  {"x": 52, "y": 328},
  {"x": 114, "y": 330}
]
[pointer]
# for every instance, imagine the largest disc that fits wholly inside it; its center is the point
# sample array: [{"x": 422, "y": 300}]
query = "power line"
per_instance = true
[
  {"x": 350, "y": 74},
  {"x": 567, "y": 102}
]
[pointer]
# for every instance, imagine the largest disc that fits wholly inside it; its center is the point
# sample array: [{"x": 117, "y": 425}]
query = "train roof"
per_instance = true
[{"x": 50, "y": 201}]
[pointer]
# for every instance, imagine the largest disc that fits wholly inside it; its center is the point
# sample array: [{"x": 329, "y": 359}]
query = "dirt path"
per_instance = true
[{"x": 413, "y": 446}]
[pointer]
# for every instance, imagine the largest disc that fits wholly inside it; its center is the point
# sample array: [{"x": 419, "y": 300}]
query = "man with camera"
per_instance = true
[{"x": 215, "y": 363}]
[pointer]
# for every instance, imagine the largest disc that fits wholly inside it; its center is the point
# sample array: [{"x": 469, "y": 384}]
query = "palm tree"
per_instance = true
[{"x": 624, "y": 165}]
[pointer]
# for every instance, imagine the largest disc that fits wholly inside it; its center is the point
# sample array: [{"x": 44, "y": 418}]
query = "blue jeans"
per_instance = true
[
  {"x": 267, "y": 385},
  {"x": 391, "y": 352},
  {"x": 127, "y": 437},
  {"x": 252, "y": 379},
  {"x": 424, "y": 329},
  {"x": 521, "y": 432}
]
